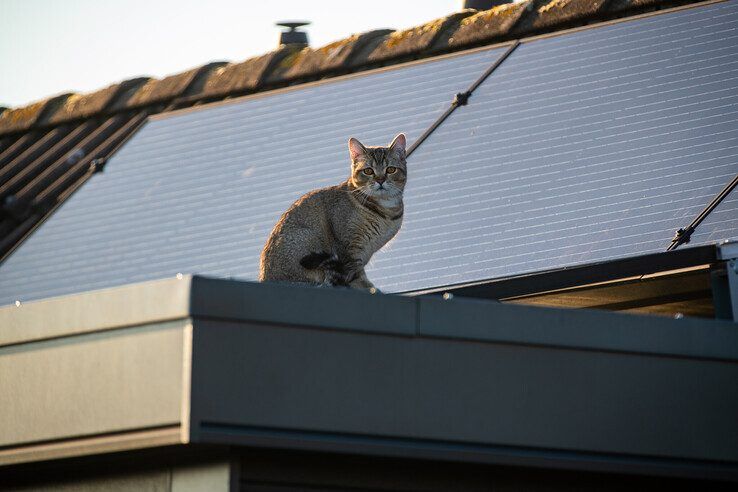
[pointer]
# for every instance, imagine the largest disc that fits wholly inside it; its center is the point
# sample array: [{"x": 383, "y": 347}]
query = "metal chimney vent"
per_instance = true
[
  {"x": 483, "y": 4},
  {"x": 293, "y": 36}
]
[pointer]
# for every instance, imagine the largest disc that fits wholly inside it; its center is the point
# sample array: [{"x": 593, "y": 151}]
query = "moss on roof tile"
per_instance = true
[
  {"x": 487, "y": 25},
  {"x": 126, "y": 90},
  {"x": 417, "y": 39},
  {"x": 156, "y": 90},
  {"x": 545, "y": 14},
  {"x": 84, "y": 105},
  {"x": 23, "y": 118},
  {"x": 247, "y": 75},
  {"x": 333, "y": 56}
]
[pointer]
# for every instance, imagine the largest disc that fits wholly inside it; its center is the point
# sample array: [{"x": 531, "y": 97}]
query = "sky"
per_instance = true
[{"x": 48, "y": 47}]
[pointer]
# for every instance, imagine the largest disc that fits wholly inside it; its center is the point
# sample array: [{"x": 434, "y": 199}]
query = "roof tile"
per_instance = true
[
  {"x": 25, "y": 117},
  {"x": 417, "y": 39},
  {"x": 244, "y": 76},
  {"x": 548, "y": 13},
  {"x": 487, "y": 24},
  {"x": 333, "y": 56},
  {"x": 126, "y": 90},
  {"x": 82, "y": 105},
  {"x": 196, "y": 86},
  {"x": 156, "y": 90}
]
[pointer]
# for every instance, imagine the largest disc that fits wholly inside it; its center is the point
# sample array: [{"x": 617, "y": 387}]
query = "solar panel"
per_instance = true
[
  {"x": 583, "y": 147},
  {"x": 199, "y": 191}
]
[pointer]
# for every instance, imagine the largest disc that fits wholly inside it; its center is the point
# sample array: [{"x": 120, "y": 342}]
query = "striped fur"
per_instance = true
[{"x": 329, "y": 235}]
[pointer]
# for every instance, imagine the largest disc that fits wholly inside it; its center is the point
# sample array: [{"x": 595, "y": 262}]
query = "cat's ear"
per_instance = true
[
  {"x": 356, "y": 149},
  {"x": 398, "y": 145}
]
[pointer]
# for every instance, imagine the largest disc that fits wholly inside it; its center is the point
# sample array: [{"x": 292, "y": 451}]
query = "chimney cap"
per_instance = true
[
  {"x": 293, "y": 36},
  {"x": 293, "y": 25}
]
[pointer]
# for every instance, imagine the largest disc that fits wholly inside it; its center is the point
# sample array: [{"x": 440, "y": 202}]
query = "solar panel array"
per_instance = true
[
  {"x": 199, "y": 191},
  {"x": 579, "y": 148},
  {"x": 582, "y": 147}
]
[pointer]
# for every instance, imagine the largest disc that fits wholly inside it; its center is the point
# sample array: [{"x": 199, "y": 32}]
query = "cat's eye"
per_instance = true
[
  {"x": 391, "y": 170},
  {"x": 368, "y": 171}
]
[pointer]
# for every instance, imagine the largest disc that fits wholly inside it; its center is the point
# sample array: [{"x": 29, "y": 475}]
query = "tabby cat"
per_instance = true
[{"x": 328, "y": 236}]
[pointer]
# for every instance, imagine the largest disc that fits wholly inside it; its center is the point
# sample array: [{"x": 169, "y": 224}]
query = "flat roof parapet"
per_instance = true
[{"x": 192, "y": 361}]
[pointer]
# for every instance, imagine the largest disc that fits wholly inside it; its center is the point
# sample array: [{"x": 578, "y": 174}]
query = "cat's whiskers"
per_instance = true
[
  {"x": 363, "y": 196},
  {"x": 393, "y": 188}
]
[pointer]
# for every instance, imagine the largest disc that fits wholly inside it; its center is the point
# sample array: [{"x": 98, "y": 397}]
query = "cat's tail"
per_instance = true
[{"x": 330, "y": 264}]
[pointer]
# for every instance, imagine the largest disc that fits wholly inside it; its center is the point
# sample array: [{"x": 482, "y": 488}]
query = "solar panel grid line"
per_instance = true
[
  {"x": 671, "y": 205},
  {"x": 637, "y": 139},
  {"x": 631, "y": 167},
  {"x": 515, "y": 173},
  {"x": 511, "y": 174},
  {"x": 582, "y": 255},
  {"x": 583, "y": 249},
  {"x": 228, "y": 138},
  {"x": 515, "y": 130},
  {"x": 648, "y": 181},
  {"x": 626, "y": 109},
  {"x": 552, "y": 107},
  {"x": 595, "y": 98},
  {"x": 588, "y": 165},
  {"x": 535, "y": 238},
  {"x": 225, "y": 139},
  {"x": 612, "y": 112},
  {"x": 607, "y": 154}
]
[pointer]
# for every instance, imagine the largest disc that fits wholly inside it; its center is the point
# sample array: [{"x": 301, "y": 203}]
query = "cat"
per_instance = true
[{"x": 328, "y": 235}]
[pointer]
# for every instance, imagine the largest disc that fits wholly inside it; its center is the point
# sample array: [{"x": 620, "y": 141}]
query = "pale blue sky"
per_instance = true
[{"x": 52, "y": 46}]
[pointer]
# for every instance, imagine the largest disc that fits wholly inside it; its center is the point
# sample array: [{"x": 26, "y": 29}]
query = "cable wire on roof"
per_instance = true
[
  {"x": 462, "y": 98},
  {"x": 683, "y": 235}
]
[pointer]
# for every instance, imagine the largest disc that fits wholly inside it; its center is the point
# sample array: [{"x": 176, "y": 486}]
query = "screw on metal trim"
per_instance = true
[
  {"x": 373, "y": 290},
  {"x": 447, "y": 296},
  {"x": 17, "y": 304}
]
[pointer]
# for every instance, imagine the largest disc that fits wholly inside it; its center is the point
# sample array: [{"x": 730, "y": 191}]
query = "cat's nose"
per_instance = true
[{"x": 380, "y": 180}]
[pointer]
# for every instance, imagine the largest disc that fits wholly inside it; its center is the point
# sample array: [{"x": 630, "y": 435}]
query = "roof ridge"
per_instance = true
[{"x": 287, "y": 65}]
